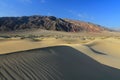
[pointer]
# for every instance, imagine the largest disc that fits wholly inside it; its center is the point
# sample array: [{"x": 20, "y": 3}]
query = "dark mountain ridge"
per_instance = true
[{"x": 47, "y": 23}]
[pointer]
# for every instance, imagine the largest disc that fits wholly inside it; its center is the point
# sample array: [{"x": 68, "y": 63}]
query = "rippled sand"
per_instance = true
[{"x": 54, "y": 59}]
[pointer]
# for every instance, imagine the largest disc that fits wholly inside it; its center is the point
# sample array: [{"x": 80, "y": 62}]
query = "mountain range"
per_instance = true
[{"x": 48, "y": 23}]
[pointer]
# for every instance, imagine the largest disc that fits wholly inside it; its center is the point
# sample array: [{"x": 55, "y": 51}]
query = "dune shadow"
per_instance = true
[
  {"x": 54, "y": 63},
  {"x": 95, "y": 51}
]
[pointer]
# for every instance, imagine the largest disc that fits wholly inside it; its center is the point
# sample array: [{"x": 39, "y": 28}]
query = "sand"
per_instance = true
[
  {"x": 13, "y": 45},
  {"x": 54, "y": 63},
  {"x": 16, "y": 44},
  {"x": 105, "y": 51},
  {"x": 57, "y": 59}
]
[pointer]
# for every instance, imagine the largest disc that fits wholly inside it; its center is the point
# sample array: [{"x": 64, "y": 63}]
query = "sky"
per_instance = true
[{"x": 102, "y": 12}]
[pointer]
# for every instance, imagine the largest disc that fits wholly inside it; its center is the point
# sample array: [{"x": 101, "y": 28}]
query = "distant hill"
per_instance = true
[{"x": 47, "y": 23}]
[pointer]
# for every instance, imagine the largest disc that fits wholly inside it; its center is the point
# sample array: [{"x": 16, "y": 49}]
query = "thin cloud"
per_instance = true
[
  {"x": 80, "y": 15},
  {"x": 85, "y": 16},
  {"x": 30, "y": 1},
  {"x": 25, "y": 1},
  {"x": 42, "y": 1},
  {"x": 49, "y": 14}
]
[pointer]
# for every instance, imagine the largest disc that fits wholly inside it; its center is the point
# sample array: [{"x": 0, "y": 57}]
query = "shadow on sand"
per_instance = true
[
  {"x": 95, "y": 51},
  {"x": 54, "y": 63}
]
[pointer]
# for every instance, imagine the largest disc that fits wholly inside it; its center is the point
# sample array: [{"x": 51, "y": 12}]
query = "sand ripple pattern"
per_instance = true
[
  {"x": 30, "y": 65},
  {"x": 54, "y": 63}
]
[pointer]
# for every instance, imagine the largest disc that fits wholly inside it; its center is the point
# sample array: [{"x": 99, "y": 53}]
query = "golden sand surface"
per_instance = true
[{"x": 105, "y": 51}]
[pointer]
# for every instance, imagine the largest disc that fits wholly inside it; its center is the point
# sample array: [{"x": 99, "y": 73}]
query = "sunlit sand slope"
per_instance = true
[
  {"x": 105, "y": 51},
  {"x": 13, "y": 45}
]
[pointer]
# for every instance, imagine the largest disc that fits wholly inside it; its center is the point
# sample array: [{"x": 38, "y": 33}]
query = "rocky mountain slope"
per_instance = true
[{"x": 47, "y": 23}]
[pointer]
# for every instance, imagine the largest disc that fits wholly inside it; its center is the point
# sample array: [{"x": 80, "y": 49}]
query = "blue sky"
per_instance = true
[{"x": 103, "y": 12}]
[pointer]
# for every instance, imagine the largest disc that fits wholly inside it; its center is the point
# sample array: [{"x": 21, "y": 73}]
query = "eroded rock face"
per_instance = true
[{"x": 47, "y": 23}]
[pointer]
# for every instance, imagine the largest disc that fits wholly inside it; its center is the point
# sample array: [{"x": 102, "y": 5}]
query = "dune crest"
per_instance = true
[
  {"x": 104, "y": 51},
  {"x": 54, "y": 63}
]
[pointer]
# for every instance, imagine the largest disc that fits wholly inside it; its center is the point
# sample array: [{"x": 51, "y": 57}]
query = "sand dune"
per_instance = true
[
  {"x": 59, "y": 59},
  {"x": 54, "y": 63},
  {"x": 16, "y": 44},
  {"x": 109, "y": 46},
  {"x": 13, "y": 45},
  {"x": 105, "y": 51}
]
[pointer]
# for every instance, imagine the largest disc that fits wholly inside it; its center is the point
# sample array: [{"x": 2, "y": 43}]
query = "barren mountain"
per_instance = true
[{"x": 47, "y": 23}]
